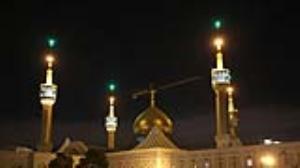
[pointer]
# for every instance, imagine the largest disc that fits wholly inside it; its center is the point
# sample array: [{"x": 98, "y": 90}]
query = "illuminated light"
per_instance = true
[
  {"x": 112, "y": 99},
  {"x": 112, "y": 87},
  {"x": 47, "y": 102},
  {"x": 230, "y": 90},
  {"x": 158, "y": 122},
  {"x": 159, "y": 162},
  {"x": 220, "y": 61},
  {"x": 49, "y": 73},
  {"x": 51, "y": 42},
  {"x": 206, "y": 164},
  {"x": 217, "y": 24},
  {"x": 143, "y": 123},
  {"x": 268, "y": 160},
  {"x": 271, "y": 142},
  {"x": 276, "y": 142},
  {"x": 219, "y": 42},
  {"x": 249, "y": 162},
  {"x": 50, "y": 58},
  {"x": 268, "y": 142},
  {"x": 221, "y": 76}
]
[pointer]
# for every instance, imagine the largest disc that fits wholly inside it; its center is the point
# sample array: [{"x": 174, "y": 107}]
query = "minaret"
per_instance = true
[
  {"x": 48, "y": 94},
  {"x": 233, "y": 118},
  {"x": 111, "y": 122},
  {"x": 220, "y": 79}
]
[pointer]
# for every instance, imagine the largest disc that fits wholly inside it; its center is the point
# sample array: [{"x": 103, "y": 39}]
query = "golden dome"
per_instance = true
[{"x": 150, "y": 118}]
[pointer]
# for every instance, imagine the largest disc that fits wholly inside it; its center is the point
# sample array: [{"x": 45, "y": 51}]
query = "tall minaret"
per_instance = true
[
  {"x": 111, "y": 122},
  {"x": 220, "y": 79},
  {"x": 233, "y": 118},
  {"x": 48, "y": 94}
]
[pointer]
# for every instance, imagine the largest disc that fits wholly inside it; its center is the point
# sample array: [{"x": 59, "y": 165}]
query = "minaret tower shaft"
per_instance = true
[
  {"x": 48, "y": 95},
  {"x": 220, "y": 78},
  {"x": 111, "y": 124},
  {"x": 233, "y": 118}
]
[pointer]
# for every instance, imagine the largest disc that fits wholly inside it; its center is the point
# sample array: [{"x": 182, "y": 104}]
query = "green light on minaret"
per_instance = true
[
  {"x": 51, "y": 42},
  {"x": 217, "y": 24},
  {"x": 112, "y": 87}
]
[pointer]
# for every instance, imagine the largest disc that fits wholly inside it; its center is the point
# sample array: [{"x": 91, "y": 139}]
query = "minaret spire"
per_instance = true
[
  {"x": 231, "y": 108},
  {"x": 48, "y": 95},
  {"x": 233, "y": 118},
  {"x": 112, "y": 106},
  {"x": 49, "y": 72},
  {"x": 219, "y": 43},
  {"x": 226, "y": 114},
  {"x": 220, "y": 81},
  {"x": 152, "y": 97},
  {"x": 111, "y": 121}
]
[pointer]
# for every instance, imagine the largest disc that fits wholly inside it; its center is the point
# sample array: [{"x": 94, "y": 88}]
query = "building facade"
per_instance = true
[{"x": 157, "y": 151}]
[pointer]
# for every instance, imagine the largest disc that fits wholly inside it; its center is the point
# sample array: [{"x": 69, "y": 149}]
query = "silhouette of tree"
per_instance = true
[
  {"x": 60, "y": 161},
  {"x": 94, "y": 158}
]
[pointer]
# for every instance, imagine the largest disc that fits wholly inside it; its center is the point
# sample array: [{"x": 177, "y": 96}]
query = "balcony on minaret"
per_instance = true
[
  {"x": 111, "y": 123},
  {"x": 48, "y": 93},
  {"x": 220, "y": 76}
]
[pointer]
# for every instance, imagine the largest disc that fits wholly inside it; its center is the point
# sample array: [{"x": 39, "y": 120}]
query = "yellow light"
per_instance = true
[
  {"x": 159, "y": 162},
  {"x": 230, "y": 90},
  {"x": 50, "y": 58},
  {"x": 112, "y": 99},
  {"x": 219, "y": 42},
  {"x": 268, "y": 160}
]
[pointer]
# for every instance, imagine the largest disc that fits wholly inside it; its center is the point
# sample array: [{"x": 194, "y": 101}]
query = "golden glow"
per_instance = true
[
  {"x": 230, "y": 106},
  {"x": 111, "y": 123},
  {"x": 230, "y": 90},
  {"x": 49, "y": 74},
  {"x": 50, "y": 59},
  {"x": 159, "y": 162},
  {"x": 152, "y": 97},
  {"x": 158, "y": 122},
  {"x": 219, "y": 60},
  {"x": 48, "y": 97},
  {"x": 47, "y": 102},
  {"x": 112, "y": 99},
  {"x": 143, "y": 124},
  {"x": 268, "y": 160},
  {"x": 219, "y": 42},
  {"x": 150, "y": 118},
  {"x": 111, "y": 140}
]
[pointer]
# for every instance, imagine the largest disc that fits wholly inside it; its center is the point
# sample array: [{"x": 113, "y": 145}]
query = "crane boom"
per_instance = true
[
  {"x": 178, "y": 83},
  {"x": 167, "y": 86},
  {"x": 142, "y": 92}
]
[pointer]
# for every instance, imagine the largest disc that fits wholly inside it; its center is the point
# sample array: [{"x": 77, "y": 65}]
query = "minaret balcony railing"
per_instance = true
[
  {"x": 48, "y": 91},
  {"x": 220, "y": 76},
  {"x": 111, "y": 123}
]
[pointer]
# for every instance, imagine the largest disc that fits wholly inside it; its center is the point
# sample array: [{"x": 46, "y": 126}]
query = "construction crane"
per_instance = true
[{"x": 152, "y": 90}]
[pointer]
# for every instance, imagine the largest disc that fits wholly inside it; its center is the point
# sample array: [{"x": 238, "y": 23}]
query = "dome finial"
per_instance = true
[
  {"x": 152, "y": 92},
  {"x": 152, "y": 97}
]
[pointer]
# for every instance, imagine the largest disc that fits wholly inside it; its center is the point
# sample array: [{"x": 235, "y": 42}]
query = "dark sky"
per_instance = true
[{"x": 138, "y": 42}]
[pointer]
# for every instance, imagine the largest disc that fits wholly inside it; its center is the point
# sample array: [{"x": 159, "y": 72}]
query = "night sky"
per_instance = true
[{"x": 139, "y": 42}]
